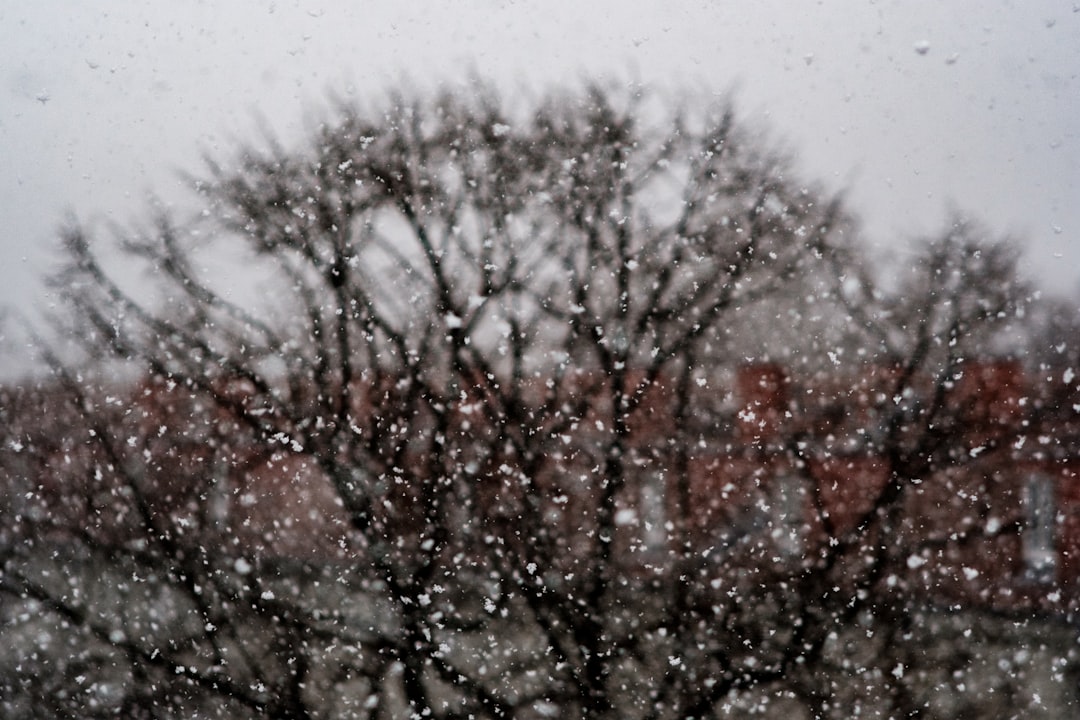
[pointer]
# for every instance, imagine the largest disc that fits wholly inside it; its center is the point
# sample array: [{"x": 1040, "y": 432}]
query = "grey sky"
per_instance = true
[{"x": 913, "y": 107}]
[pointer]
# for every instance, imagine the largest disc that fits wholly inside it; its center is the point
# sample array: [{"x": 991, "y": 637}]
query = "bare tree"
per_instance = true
[{"x": 449, "y": 461}]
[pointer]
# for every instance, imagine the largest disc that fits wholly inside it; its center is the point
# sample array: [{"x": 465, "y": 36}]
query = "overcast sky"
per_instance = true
[{"x": 913, "y": 107}]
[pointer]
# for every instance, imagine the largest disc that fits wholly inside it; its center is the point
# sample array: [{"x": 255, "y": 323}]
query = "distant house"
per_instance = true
[{"x": 997, "y": 522}]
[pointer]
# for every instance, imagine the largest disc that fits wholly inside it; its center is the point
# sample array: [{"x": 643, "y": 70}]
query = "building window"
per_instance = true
[
  {"x": 1040, "y": 553},
  {"x": 218, "y": 497},
  {"x": 788, "y": 515},
  {"x": 654, "y": 515}
]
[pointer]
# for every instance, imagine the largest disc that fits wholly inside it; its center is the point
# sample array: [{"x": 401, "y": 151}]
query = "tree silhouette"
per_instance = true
[{"x": 457, "y": 455}]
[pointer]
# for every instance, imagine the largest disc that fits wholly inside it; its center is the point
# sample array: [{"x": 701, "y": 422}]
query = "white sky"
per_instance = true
[{"x": 99, "y": 107}]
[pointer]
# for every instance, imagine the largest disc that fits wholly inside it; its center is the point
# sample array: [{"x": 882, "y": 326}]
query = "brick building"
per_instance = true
[{"x": 777, "y": 468}]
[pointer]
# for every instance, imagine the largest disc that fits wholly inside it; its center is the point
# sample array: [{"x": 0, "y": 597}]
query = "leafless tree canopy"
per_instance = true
[{"x": 450, "y": 458}]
